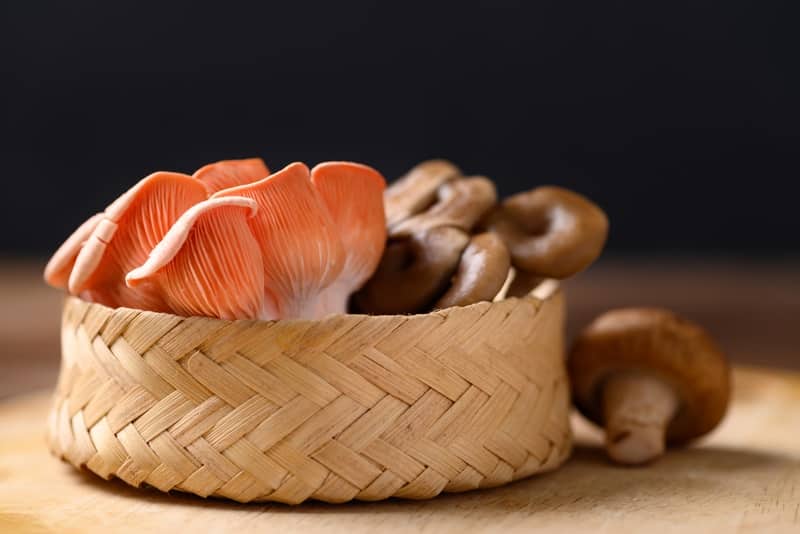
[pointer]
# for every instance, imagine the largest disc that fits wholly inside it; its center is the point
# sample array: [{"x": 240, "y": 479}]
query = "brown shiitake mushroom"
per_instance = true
[
  {"x": 413, "y": 272},
  {"x": 416, "y": 191},
  {"x": 481, "y": 273},
  {"x": 550, "y": 231},
  {"x": 461, "y": 203},
  {"x": 523, "y": 283},
  {"x": 651, "y": 378}
]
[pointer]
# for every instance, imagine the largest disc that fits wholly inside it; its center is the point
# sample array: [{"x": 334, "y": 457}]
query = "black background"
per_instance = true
[{"x": 681, "y": 119}]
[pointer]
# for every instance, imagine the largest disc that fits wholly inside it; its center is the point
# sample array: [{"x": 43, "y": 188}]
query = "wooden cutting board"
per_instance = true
[{"x": 744, "y": 478}]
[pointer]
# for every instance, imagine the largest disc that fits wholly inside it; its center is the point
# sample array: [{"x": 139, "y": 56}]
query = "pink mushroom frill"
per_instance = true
[{"x": 231, "y": 241}]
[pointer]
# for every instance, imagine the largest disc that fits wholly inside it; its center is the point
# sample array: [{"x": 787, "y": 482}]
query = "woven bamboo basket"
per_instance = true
[{"x": 349, "y": 407}]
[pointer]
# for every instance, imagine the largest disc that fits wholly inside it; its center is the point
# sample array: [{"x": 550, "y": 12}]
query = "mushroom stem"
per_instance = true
[{"x": 637, "y": 409}]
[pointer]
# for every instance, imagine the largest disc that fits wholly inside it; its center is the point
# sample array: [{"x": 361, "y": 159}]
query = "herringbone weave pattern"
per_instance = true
[{"x": 350, "y": 407}]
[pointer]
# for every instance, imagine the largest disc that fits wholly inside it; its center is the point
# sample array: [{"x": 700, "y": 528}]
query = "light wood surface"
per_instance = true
[{"x": 744, "y": 478}]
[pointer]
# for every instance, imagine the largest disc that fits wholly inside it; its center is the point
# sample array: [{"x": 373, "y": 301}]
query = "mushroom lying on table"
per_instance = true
[{"x": 650, "y": 378}]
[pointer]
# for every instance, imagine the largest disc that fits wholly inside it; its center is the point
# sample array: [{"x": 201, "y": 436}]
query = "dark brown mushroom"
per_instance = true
[
  {"x": 416, "y": 191},
  {"x": 651, "y": 378},
  {"x": 481, "y": 273},
  {"x": 413, "y": 272},
  {"x": 523, "y": 283},
  {"x": 460, "y": 203},
  {"x": 550, "y": 231}
]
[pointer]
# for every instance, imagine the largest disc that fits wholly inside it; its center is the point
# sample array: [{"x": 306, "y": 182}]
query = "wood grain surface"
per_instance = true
[{"x": 744, "y": 478}]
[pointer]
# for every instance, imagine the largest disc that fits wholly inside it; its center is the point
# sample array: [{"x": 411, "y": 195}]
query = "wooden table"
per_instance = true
[{"x": 744, "y": 478}]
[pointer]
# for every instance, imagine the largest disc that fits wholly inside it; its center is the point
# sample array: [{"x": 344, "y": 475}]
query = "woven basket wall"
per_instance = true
[{"x": 350, "y": 407}]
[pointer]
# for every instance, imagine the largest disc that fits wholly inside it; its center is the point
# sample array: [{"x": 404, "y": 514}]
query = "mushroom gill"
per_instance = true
[
  {"x": 301, "y": 249},
  {"x": 122, "y": 239},
  {"x": 209, "y": 263},
  {"x": 58, "y": 269},
  {"x": 353, "y": 194}
]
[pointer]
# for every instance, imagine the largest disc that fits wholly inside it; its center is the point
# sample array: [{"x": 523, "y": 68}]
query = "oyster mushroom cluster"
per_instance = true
[
  {"x": 231, "y": 241},
  {"x": 450, "y": 243}
]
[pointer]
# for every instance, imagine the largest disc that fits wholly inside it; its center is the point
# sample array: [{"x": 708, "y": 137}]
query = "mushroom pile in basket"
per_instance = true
[{"x": 452, "y": 244}]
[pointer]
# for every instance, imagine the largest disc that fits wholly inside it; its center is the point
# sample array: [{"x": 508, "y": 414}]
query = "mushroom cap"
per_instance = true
[
  {"x": 551, "y": 231},
  {"x": 658, "y": 343},
  {"x": 481, "y": 273},
  {"x": 413, "y": 272},
  {"x": 58, "y": 269},
  {"x": 460, "y": 202},
  {"x": 416, "y": 190},
  {"x": 231, "y": 173}
]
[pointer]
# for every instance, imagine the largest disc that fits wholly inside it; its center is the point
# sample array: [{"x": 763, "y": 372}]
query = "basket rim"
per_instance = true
[{"x": 543, "y": 291}]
